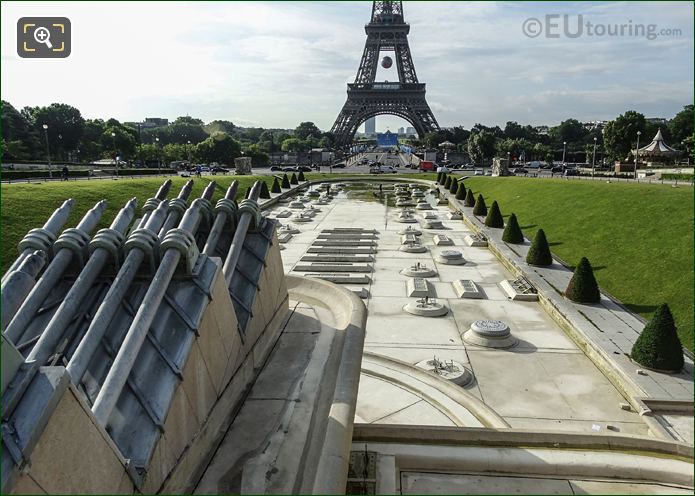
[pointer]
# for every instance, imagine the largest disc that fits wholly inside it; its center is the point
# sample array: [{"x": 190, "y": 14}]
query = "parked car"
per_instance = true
[
  {"x": 304, "y": 168},
  {"x": 520, "y": 170},
  {"x": 276, "y": 168},
  {"x": 184, "y": 173},
  {"x": 339, "y": 166},
  {"x": 478, "y": 172},
  {"x": 204, "y": 168},
  {"x": 388, "y": 169},
  {"x": 290, "y": 169},
  {"x": 375, "y": 170},
  {"x": 443, "y": 168},
  {"x": 571, "y": 172},
  {"x": 557, "y": 168},
  {"x": 219, "y": 169}
]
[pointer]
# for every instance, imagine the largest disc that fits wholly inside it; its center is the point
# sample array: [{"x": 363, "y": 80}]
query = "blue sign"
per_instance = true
[{"x": 386, "y": 139}]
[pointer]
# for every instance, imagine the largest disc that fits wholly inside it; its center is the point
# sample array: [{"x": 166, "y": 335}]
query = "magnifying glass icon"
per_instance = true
[{"x": 43, "y": 35}]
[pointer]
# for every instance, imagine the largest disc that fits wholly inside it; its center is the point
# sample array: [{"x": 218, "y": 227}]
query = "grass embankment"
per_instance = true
[
  {"x": 638, "y": 237},
  {"x": 26, "y": 206}
]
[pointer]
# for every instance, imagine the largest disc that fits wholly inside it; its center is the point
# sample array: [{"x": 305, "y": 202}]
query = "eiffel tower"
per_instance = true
[{"x": 387, "y": 31}]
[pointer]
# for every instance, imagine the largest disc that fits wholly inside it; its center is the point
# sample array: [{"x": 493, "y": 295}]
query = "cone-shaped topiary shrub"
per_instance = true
[
  {"x": 512, "y": 232},
  {"x": 285, "y": 182},
  {"x": 461, "y": 192},
  {"x": 658, "y": 347},
  {"x": 442, "y": 180},
  {"x": 293, "y": 179},
  {"x": 439, "y": 176},
  {"x": 454, "y": 186},
  {"x": 480, "y": 208},
  {"x": 264, "y": 190},
  {"x": 276, "y": 186},
  {"x": 447, "y": 183},
  {"x": 583, "y": 287},
  {"x": 301, "y": 176},
  {"x": 539, "y": 253},
  {"x": 494, "y": 217},
  {"x": 470, "y": 199}
]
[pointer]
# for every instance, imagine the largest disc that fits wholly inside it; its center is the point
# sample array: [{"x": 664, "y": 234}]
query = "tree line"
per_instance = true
[
  {"x": 614, "y": 141},
  {"x": 69, "y": 137},
  {"x": 72, "y": 138}
]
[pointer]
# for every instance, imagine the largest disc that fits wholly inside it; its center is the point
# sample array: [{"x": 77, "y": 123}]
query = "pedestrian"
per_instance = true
[
  {"x": 198, "y": 170},
  {"x": 65, "y": 173}
]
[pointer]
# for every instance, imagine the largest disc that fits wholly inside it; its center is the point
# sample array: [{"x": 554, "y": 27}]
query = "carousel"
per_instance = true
[{"x": 656, "y": 152}]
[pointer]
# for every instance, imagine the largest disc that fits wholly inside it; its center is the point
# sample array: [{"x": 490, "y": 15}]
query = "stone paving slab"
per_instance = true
[{"x": 618, "y": 328}]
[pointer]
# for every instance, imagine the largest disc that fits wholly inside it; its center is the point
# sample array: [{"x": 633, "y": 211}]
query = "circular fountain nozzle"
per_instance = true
[
  {"x": 418, "y": 270},
  {"x": 490, "y": 334},
  {"x": 450, "y": 257},
  {"x": 426, "y": 307}
]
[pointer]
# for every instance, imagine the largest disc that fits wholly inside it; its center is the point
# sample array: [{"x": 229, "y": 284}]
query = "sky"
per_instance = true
[{"x": 275, "y": 64}]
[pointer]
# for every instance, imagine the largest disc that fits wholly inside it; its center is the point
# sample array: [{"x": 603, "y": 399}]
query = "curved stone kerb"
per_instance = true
[{"x": 482, "y": 412}]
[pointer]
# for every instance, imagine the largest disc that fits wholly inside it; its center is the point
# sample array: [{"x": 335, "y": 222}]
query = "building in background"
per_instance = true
[{"x": 370, "y": 126}]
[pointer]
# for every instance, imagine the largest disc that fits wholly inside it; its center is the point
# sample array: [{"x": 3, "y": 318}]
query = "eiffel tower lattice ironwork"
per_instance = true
[{"x": 388, "y": 32}]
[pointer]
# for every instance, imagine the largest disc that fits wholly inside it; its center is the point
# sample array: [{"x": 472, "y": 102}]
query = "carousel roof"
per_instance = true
[{"x": 658, "y": 146}]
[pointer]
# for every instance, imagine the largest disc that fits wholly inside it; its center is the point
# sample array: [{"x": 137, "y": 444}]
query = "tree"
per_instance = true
[
  {"x": 658, "y": 346},
  {"x": 21, "y": 138},
  {"x": 431, "y": 140},
  {"x": 620, "y": 135},
  {"x": 258, "y": 157},
  {"x": 480, "y": 208},
  {"x": 264, "y": 190},
  {"x": 276, "y": 186},
  {"x": 512, "y": 232},
  {"x": 293, "y": 179},
  {"x": 481, "y": 145},
  {"x": 285, "y": 182},
  {"x": 583, "y": 287},
  {"x": 116, "y": 140},
  {"x": 292, "y": 145},
  {"x": 65, "y": 126},
  {"x": 461, "y": 192},
  {"x": 307, "y": 129},
  {"x": 494, "y": 217},
  {"x": 218, "y": 125},
  {"x": 570, "y": 131},
  {"x": 539, "y": 253},
  {"x": 220, "y": 147},
  {"x": 470, "y": 199},
  {"x": 681, "y": 126}
]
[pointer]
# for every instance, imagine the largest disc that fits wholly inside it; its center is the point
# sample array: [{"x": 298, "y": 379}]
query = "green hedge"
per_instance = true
[
  {"x": 26, "y": 174},
  {"x": 677, "y": 177}
]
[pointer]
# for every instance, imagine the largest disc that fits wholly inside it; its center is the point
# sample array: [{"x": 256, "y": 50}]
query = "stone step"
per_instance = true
[
  {"x": 337, "y": 258},
  {"x": 342, "y": 250},
  {"x": 324, "y": 242},
  {"x": 317, "y": 267},
  {"x": 341, "y": 278}
]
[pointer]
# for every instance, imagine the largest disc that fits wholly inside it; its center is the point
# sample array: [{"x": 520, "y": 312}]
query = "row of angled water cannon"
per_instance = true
[{"x": 164, "y": 238}]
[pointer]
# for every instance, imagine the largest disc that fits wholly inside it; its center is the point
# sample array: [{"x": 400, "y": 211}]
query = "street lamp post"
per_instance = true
[
  {"x": 115, "y": 156},
  {"x": 637, "y": 153},
  {"x": 188, "y": 150},
  {"x": 159, "y": 160},
  {"x": 48, "y": 151},
  {"x": 593, "y": 160},
  {"x": 564, "y": 150}
]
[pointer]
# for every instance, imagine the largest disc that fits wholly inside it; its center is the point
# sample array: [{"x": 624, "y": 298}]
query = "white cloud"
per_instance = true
[{"x": 276, "y": 63}]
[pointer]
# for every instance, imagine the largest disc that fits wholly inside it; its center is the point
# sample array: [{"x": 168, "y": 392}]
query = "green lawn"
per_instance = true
[
  {"x": 638, "y": 237},
  {"x": 27, "y": 205}
]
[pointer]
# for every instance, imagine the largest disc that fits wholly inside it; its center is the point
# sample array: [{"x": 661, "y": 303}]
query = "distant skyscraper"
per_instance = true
[
  {"x": 370, "y": 126},
  {"x": 401, "y": 130},
  {"x": 410, "y": 130}
]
